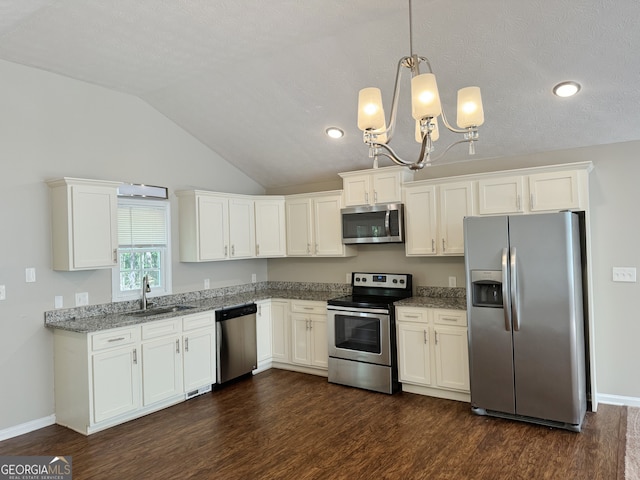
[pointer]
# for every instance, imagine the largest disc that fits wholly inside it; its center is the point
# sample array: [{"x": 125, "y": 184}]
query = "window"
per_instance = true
[{"x": 143, "y": 248}]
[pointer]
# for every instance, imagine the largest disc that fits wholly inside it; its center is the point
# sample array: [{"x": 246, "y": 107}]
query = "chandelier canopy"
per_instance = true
[{"x": 425, "y": 109}]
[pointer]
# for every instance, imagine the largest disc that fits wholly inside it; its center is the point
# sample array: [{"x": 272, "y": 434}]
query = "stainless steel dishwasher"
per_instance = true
[{"x": 236, "y": 338}]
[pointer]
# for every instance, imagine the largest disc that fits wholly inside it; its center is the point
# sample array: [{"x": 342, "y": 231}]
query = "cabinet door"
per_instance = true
[
  {"x": 242, "y": 233},
  {"x": 414, "y": 353},
  {"x": 328, "y": 226},
  {"x": 199, "y": 357},
  {"x": 264, "y": 331},
  {"x": 553, "y": 191},
  {"x": 161, "y": 369},
  {"x": 420, "y": 220},
  {"x": 356, "y": 190},
  {"x": 299, "y": 227},
  {"x": 456, "y": 202},
  {"x": 386, "y": 187},
  {"x": 301, "y": 353},
  {"x": 270, "y": 228},
  {"x": 281, "y": 331},
  {"x": 500, "y": 195},
  {"x": 116, "y": 383},
  {"x": 94, "y": 226},
  {"x": 452, "y": 357},
  {"x": 212, "y": 221},
  {"x": 320, "y": 347}
]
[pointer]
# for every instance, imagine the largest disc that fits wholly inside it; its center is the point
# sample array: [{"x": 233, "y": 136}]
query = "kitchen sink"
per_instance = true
[{"x": 159, "y": 311}]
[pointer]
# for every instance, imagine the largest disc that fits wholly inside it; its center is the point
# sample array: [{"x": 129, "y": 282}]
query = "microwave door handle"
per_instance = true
[{"x": 387, "y": 223}]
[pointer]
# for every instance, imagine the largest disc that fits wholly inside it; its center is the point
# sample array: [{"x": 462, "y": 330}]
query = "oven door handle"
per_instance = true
[{"x": 336, "y": 308}]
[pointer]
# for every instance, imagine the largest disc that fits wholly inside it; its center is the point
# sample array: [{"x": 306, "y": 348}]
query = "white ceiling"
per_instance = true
[{"x": 258, "y": 81}]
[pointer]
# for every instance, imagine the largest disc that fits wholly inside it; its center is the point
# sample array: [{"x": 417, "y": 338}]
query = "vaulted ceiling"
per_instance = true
[{"x": 259, "y": 81}]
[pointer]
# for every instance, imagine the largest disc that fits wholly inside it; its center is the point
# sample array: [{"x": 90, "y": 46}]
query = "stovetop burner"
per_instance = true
[{"x": 375, "y": 290}]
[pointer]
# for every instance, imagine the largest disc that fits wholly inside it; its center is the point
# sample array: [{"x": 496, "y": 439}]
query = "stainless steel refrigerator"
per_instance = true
[{"x": 525, "y": 318}]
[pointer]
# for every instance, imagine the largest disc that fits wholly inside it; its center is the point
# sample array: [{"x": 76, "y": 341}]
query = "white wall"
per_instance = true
[{"x": 51, "y": 126}]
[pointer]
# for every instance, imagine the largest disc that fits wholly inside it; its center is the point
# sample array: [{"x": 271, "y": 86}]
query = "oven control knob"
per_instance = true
[
  {"x": 364, "y": 279},
  {"x": 357, "y": 279},
  {"x": 401, "y": 280},
  {"x": 395, "y": 280}
]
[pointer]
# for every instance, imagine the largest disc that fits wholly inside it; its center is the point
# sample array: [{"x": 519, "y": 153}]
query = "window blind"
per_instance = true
[{"x": 141, "y": 226}]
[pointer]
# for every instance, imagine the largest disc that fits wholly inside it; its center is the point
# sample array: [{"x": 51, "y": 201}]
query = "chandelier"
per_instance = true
[{"x": 425, "y": 109}]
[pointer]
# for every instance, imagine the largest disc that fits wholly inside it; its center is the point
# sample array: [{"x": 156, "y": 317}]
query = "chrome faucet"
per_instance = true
[{"x": 145, "y": 289}]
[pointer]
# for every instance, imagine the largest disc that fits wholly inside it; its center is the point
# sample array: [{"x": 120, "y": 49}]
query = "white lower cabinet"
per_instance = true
[
  {"x": 309, "y": 333},
  {"x": 264, "y": 335},
  {"x": 281, "y": 331},
  {"x": 433, "y": 356},
  {"x": 109, "y": 377}
]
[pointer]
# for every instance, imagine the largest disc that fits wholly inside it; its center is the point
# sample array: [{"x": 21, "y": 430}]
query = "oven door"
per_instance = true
[{"x": 360, "y": 334}]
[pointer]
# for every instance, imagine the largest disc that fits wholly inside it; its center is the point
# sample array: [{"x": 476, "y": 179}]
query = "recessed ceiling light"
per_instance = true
[
  {"x": 566, "y": 89},
  {"x": 334, "y": 132}
]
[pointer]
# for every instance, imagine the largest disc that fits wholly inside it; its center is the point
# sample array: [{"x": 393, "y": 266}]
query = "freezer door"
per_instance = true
[
  {"x": 489, "y": 328},
  {"x": 549, "y": 332}
]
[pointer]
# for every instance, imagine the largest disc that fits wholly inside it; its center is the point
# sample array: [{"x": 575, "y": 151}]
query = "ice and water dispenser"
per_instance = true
[{"x": 486, "y": 288}]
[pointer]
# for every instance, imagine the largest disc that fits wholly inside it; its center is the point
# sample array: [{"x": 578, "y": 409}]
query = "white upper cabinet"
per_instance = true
[
  {"x": 378, "y": 185},
  {"x": 314, "y": 226},
  {"x": 500, "y": 195},
  {"x": 271, "y": 235},
  {"x": 421, "y": 221},
  {"x": 84, "y": 223},
  {"x": 554, "y": 191},
  {"x": 215, "y": 226},
  {"x": 542, "y": 189},
  {"x": 456, "y": 202}
]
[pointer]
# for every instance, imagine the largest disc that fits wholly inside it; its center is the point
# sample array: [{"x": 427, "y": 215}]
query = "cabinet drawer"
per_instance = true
[
  {"x": 161, "y": 328},
  {"x": 412, "y": 314},
  {"x": 302, "y": 306},
  {"x": 114, "y": 338},
  {"x": 198, "y": 320},
  {"x": 450, "y": 317}
]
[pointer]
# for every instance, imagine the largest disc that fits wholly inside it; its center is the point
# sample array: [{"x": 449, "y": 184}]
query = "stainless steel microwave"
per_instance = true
[{"x": 373, "y": 224}]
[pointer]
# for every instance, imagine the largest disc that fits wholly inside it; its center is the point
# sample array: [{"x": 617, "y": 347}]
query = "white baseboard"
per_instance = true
[
  {"x": 27, "y": 427},
  {"x": 618, "y": 400}
]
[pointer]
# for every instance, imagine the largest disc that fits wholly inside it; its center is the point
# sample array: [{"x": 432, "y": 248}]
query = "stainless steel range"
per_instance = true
[{"x": 362, "y": 334}]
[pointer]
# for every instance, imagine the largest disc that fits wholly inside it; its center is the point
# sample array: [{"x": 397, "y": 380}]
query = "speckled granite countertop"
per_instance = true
[
  {"x": 104, "y": 317},
  {"x": 95, "y": 318}
]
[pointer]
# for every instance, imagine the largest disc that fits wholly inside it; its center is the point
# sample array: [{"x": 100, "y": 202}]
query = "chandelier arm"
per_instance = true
[
  {"x": 442, "y": 154},
  {"x": 446, "y": 124},
  {"x": 423, "y": 159},
  {"x": 394, "y": 102}
]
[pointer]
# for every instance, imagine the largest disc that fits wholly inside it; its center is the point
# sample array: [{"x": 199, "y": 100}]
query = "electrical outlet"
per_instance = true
[
  {"x": 253, "y": 278},
  {"x": 452, "y": 281},
  {"x": 624, "y": 274},
  {"x": 58, "y": 302},
  {"x": 348, "y": 277},
  {"x": 206, "y": 283},
  {"x": 82, "y": 299},
  {"x": 3, "y": 293},
  {"x": 30, "y": 274}
]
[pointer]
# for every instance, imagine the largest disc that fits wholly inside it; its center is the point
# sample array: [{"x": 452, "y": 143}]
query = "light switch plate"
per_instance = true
[
  {"x": 82, "y": 299},
  {"x": 58, "y": 301},
  {"x": 206, "y": 283},
  {"x": 30, "y": 274},
  {"x": 452, "y": 281},
  {"x": 253, "y": 278},
  {"x": 3, "y": 293},
  {"x": 624, "y": 274}
]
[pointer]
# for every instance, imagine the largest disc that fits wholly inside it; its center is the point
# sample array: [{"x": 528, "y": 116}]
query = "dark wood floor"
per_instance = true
[{"x": 281, "y": 425}]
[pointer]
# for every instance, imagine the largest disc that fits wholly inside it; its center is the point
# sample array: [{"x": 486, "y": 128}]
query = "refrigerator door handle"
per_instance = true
[
  {"x": 514, "y": 291},
  {"x": 506, "y": 304}
]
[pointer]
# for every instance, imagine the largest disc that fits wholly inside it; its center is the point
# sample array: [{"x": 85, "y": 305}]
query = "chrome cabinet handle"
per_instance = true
[
  {"x": 186, "y": 344},
  {"x": 115, "y": 339},
  {"x": 375, "y": 197},
  {"x": 308, "y": 248},
  {"x": 444, "y": 248},
  {"x": 436, "y": 333},
  {"x": 135, "y": 356},
  {"x": 531, "y": 202},
  {"x": 366, "y": 197},
  {"x": 425, "y": 337},
  {"x": 225, "y": 250},
  {"x": 518, "y": 202},
  {"x": 115, "y": 255},
  {"x": 316, "y": 250},
  {"x": 257, "y": 249},
  {"x": 233, "y": 250},
  {"x": 178, "y": 346},
  {"x": 433, "y": 245}
]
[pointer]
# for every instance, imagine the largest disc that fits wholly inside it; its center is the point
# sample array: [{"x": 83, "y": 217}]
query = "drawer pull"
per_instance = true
[
  {"x": 115, "y": 339},
  {"x": 412, "y": 316}
]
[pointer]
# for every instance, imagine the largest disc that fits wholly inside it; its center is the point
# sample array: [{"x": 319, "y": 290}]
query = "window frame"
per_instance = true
[{"x": 118, "y": 295}]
